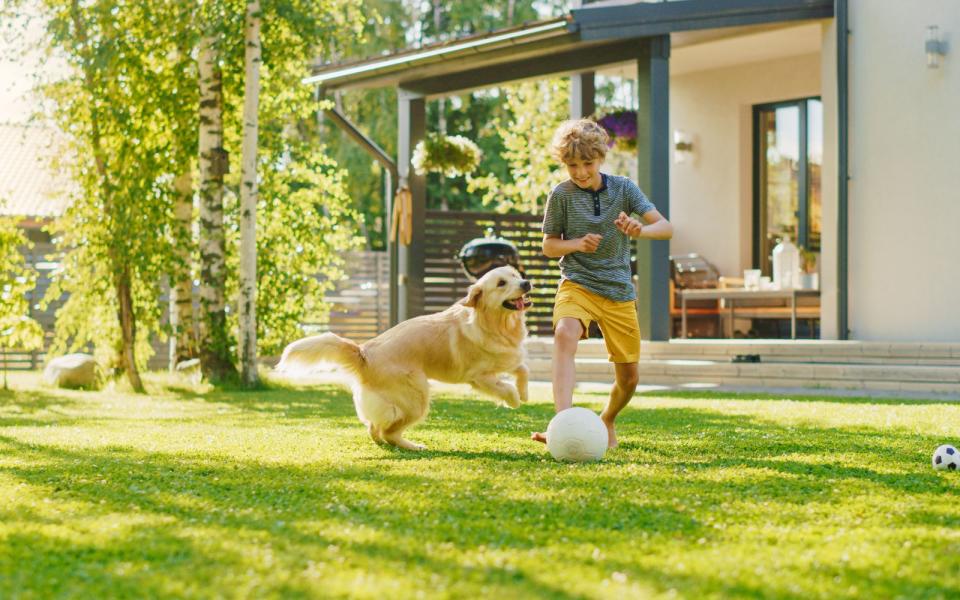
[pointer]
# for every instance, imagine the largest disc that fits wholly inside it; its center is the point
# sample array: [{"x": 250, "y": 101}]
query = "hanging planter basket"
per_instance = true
[
  {"x": 449, "y": 155},
  {"x": 621, "y": 126}
]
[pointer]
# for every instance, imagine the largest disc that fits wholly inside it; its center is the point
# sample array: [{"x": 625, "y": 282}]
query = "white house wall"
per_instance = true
[
  {"x": 904, "y": 193},
  {"x": 829, "y": 326},
  {"x": 711, "y": 200}
]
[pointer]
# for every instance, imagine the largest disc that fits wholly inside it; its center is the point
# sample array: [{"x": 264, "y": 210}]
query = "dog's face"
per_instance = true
[{"x": 502, "y": 287}]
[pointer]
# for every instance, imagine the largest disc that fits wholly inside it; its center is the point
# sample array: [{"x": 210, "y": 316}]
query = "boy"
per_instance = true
[{"x": 588, "y": 226}]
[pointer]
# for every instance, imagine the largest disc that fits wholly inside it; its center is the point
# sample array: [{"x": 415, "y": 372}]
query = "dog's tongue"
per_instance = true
[{"x": 521, "y": 303}]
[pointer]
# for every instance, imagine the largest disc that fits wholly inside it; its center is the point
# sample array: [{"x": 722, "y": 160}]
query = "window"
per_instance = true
[{"x": 788, "y": 155}]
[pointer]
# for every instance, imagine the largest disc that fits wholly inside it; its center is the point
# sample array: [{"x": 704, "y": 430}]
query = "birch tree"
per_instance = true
[
  {"x": 183, "y": 340},
  {"x": 214, "y": 340},
  {"x": 248, "y": 197}
]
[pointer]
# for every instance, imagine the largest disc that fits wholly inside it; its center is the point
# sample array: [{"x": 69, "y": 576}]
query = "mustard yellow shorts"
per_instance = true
[{"x": 617, "y": 320}]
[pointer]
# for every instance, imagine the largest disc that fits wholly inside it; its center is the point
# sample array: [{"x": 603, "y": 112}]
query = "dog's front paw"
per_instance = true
[{"x": 514, "y": 399}]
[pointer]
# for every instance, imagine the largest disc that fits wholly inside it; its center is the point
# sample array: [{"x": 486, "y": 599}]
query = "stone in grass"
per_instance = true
[
  {"x": 72, "y": 371},
  {"x": 188, "y": 366},
  {"x": 191, "y": 369}
]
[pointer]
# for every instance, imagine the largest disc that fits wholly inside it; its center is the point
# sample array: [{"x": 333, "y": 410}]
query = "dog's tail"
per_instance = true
[{"x": 309, "y": 353}]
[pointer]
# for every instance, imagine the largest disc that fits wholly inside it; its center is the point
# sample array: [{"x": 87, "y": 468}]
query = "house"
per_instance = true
[
  {"x": 835, "y": 121},
  {"x": 29, "y": 188},
  {"x": 34, "y": 194}
]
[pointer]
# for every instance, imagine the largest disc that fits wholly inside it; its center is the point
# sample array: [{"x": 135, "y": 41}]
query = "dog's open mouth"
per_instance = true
[{"x": 521, "y": 303}]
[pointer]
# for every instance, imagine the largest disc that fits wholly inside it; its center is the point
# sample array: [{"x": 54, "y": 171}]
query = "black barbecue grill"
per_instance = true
[
  {"x": 483, "y": 254},
  {"x": 693, "y": 271}
]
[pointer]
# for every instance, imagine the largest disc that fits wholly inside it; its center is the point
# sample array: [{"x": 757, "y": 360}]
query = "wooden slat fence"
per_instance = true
[
  {"x": 43, "y": 258},
  {"x": 360, "y": 304},
  {"x": 444, "y": 280}
]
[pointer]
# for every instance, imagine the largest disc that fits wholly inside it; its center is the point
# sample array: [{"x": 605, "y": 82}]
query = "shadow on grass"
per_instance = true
[
  {"x": 20, "y": 408},
  {"x": 282, "y": 401},
  {"x": 236, "y": 502}
]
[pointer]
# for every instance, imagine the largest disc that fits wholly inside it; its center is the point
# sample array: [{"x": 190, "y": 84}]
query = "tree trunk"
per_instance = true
[
  {"x": 128, "y": 329},
  {"x": 248, "y": 198},
  {"x": 183, "y": 343},
  {"x": 214, "y": 342},
  {"x": 122, "y": 278}
]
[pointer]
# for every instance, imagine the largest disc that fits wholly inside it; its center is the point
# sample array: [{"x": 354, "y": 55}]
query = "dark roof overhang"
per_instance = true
[{"x": 591, "y": 37}]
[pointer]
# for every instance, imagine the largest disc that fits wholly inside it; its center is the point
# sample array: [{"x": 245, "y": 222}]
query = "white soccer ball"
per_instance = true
[
  {"x": 577, "y": 434},
  {"x": 946, "y": 457}
]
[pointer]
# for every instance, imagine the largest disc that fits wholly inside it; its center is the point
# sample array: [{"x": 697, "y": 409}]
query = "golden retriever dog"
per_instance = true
[{"x": 474, "y": 341}]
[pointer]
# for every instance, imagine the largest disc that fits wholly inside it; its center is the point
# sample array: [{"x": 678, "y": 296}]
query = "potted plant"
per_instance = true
[
  {"x": 621, "y": 126},
  {"x": 809, "y": 277},
  {"x": 449, "y": 155}
]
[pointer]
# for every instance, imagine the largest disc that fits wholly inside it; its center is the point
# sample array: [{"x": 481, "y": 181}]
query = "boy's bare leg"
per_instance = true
[
  {"x": 565, "y": 339},
  {"x": 628, "y": 375}
]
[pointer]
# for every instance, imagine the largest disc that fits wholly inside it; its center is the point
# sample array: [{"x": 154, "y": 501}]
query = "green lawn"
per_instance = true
[{"x": 196, "y": 493}]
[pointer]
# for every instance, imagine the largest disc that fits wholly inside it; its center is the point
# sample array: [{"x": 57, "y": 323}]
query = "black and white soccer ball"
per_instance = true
[{"x": 946, "y": 457}]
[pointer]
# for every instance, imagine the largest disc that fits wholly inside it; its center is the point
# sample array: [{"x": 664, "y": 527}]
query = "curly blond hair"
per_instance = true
[{"x": 579, "y": 139}]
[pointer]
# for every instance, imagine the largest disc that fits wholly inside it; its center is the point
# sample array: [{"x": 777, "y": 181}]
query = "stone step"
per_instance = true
[
  {"x": 778, "y": 351},
  {"x": 686, "y": 372}
]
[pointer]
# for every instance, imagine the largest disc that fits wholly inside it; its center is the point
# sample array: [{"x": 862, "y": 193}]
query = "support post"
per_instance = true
[
  {"x": 843, "y": 164},
  {"x": 653, "y": 162},
  {"x": 411, "y": 128},
  {"x": 582, "y": 93}
]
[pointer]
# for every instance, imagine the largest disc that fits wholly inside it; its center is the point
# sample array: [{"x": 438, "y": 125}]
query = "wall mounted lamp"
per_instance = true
[
  {"x": 935, "y": 46},
  {"x": 682, "y": 146}
]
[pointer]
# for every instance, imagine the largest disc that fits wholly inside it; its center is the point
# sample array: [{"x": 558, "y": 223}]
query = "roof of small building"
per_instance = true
[{"x": 29, "y": 186}]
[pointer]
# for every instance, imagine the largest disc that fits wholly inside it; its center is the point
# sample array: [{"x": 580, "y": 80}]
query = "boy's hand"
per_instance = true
[
  {"x": 589, "y": 242},
  {"x": 628, "y": 225}
]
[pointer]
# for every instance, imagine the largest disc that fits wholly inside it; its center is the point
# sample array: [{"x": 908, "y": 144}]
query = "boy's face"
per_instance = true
[{"x": 585, "y": 173}]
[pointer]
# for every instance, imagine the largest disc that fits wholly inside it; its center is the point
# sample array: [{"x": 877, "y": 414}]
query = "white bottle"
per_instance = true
[{"x": 786, "y": 265}]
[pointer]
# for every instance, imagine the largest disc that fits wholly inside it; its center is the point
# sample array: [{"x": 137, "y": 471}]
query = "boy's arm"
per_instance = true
[
  {"x": 555, "y": 246},
  {"x": 656, "y": 227}
]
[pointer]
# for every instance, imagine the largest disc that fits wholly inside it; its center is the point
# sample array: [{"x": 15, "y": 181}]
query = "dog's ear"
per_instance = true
[{"x": 473, "y": 296}]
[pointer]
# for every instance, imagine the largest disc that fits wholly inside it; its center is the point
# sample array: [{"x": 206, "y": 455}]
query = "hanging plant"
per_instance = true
[
  {"x": 621, "y": 126},
  {"x": 449, "y": 155}
]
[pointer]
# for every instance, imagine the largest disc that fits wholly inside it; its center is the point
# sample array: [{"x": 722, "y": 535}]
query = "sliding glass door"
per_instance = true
[{"x": 788, "y": 154}]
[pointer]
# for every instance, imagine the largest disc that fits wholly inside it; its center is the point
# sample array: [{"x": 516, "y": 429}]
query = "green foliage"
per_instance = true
[
  {"x": 305, "y": 218},
  {"x": 393, "y": 25},
  {"x": 280, "y": 493},
  {"x": 129, "y": 107},
  {"x": 535, "y": 110},
  {"x": 458, "y": 18},
  {"x": 17, "y": 329},
  {"x": 114, "y": 107},
  {"x": 448, "y": 155},
  {"x": 305, "y": 223}
]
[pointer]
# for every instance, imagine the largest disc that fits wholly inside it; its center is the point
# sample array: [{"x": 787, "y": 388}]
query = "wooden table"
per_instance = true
[{"x": 731, "y": 295}]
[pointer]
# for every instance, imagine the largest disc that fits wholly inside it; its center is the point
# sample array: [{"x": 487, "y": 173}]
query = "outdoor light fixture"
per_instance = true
[
  {"x": 936, "y": 47},
  {"x": 682, "y": 146}
]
